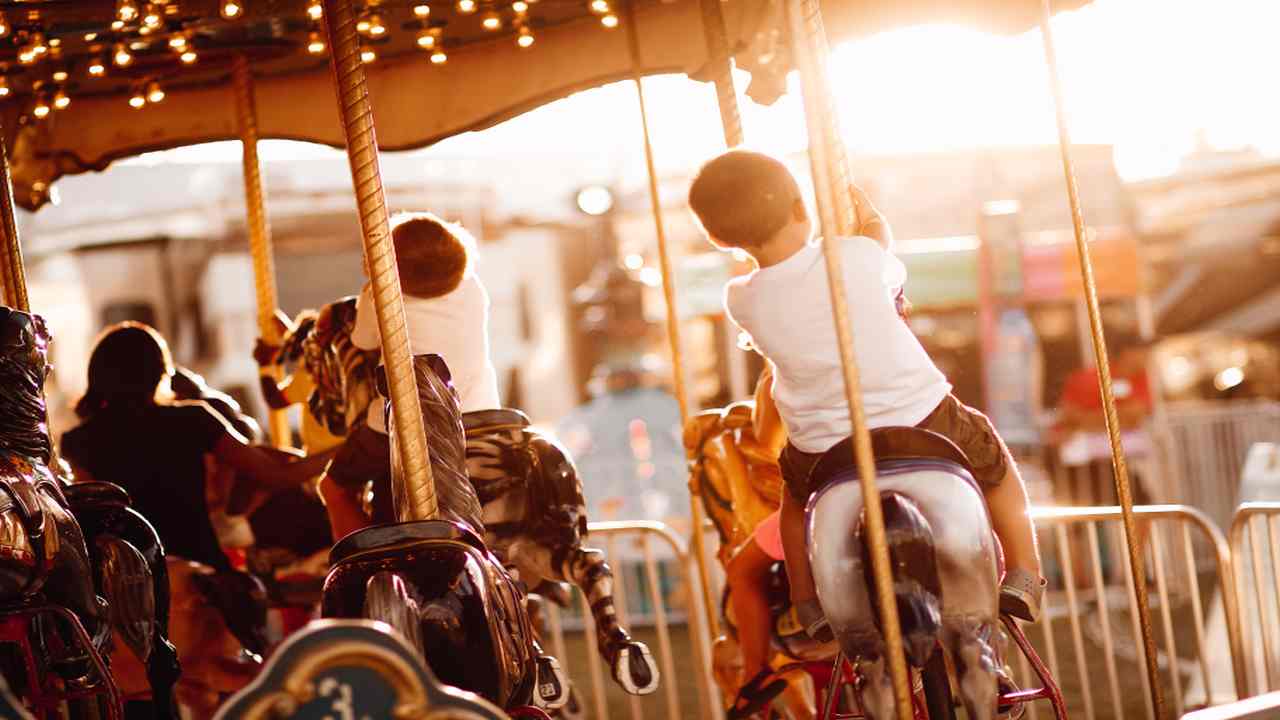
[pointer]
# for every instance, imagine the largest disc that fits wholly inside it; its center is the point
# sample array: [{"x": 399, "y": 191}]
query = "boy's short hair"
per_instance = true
[
  {"x": 743, "y": 198},
  {"x": 431, "y": 254}
]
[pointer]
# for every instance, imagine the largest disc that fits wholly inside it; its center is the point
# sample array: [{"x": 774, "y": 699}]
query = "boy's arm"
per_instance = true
[
  {"x": 871, "y": 223},
  {"x": 364, "y": 333}
]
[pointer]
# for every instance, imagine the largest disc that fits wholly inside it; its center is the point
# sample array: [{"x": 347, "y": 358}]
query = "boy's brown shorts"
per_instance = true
[{"x": 969, "y": 429}]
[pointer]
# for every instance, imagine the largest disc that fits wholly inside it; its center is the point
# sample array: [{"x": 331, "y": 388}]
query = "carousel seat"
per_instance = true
[
  {"x": 387, "y": 536},
  {"x": 896, "y": 449},
  {"x": 96, "y": 493},
  {"x": 493, "y": 420}
]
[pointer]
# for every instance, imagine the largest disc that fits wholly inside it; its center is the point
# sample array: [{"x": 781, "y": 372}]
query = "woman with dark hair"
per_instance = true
[{"x": 134, "y": 435}]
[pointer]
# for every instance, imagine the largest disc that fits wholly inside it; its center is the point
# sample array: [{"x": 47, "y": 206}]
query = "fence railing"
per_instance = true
[{"x": 1255, "y": 546}]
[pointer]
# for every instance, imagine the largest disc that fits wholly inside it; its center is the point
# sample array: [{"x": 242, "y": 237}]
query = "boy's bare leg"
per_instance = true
[
  {"x": 343, "y": 508},
  {"x": 748, "y": 572},
  {"x": 799, "y": 575},
  {"x": 1011, "y": 520}
]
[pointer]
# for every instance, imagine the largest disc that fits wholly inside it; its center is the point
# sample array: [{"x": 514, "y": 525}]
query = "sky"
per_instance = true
[{"x": 1152, "y": 77}]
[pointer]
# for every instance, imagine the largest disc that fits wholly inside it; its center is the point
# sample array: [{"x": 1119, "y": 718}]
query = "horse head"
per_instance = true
[{"x": 342, "y": 373}]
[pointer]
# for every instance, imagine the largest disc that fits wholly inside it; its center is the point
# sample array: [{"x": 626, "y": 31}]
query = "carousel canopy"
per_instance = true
[{"x": 88, "y": 82}]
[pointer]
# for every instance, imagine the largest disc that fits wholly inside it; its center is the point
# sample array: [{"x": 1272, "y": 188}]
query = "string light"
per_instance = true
[
  {"x": 178, "y": 42},
  {"x": 38, "y": 45},
  {"x": 466, "y": 7},
  {"x": 600, "y": 7},
  {"x": 60, "y": 76},
  {"x": 189, "y": 56},
  {"x": 524, "y": 37},
  {"x": 90, "y": 36},
  {"x": 491, "y": 21},
  {"x": 41, "y": 109},
  {"x": 421, "y": 11},
  {"x": 315, "y": 43},
  {"x": 520, "y": 7},
  {"x": 61, "y": 100},
  {"x": 439, "y": 58},
  {"x": 4, "y": 86},
  {"x": 155, "y": 93},
  {"x": 315, "y": 10},
  {"x": 5, "y": 27},
  {"x": 376, "y": 27},
  {"x": 146, "y": 30},
  {"x": 117, "y": 25},
  {"x": 126, "y": 11},
  {"x": 97, "y": 68},
  {"x": 150, "y": 16},
  {"x": 137, "y": 99},
  {"x": 27, "y": 56},
  {"x": 231, "y": 9},
  {"x": 367, "y": 56},
  {"x": 429, "y": 39},
  {"x": 610, "y": 21},
  {"x": 122, "y": 57}
]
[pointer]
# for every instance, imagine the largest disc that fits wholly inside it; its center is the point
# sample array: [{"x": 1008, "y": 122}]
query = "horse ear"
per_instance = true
[{"x": 380, "y": 381}]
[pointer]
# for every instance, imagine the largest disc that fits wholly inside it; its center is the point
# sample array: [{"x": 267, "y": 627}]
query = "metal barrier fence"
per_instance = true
[
  {"x": 642, "y": 555},
  {"x": 1254, "y": 534},
  {"x": 1092, "y": 608}
]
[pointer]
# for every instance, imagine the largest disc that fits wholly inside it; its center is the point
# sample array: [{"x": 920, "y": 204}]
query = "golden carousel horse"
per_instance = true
[{"x": 735, "y": 472}]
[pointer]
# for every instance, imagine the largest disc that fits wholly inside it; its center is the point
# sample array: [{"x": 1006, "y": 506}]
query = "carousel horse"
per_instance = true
[
  {"x": 735, "y": 473},
  {"x": 536, "y": 520},
  {"x": 944, "y": 557},
  {"x": 435, "y": 581},
  {"x": 132, "y": 575},
  {"x": 534, "y": 515},
  {"x": 48, "y": 603}
]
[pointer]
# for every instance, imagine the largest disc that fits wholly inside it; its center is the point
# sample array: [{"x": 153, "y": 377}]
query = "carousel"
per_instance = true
[{"x": 427, "y": 612}]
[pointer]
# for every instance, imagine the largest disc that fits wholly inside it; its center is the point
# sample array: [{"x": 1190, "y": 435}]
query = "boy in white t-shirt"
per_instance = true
[
  {"x": 750, "y": 201},
  {"x": 446, "y": 311}
]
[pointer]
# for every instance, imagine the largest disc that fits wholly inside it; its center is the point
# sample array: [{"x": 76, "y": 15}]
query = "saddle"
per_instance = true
[{"x": 896, "y": 447}]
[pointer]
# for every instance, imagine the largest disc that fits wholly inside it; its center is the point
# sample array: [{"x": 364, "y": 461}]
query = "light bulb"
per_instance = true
[
  {"x": 61, "y": 100},
  {"x": 90, "y": 36},
  {"x": 600, "y": 7},
  {"x": 38, "y": 45},
  {"x": 315, "y": 43},
  {"x": 137, "y": 100},
  {"x": 524, "y": 38},
  {"x": 491, "y": 21},
  {"x": 117, "y": 25},
  {"x": 151, "y": 16},
  {"x": 41, "y": 109},
  {"x": 421, "y": 11},
  {"x": 466, "y": 7},
  {"x": 155, "y": 93},
  {"x": 520, "y": 7},
  {"x": 610, "y": 21},
  {"x": 315, "y": 10},
  {"x": 188, "y": 56},
  {"x": 178, "y": 42},
  {"x": 362, "y": 26},
  {"x": 26, "y": 56},
  {"x": 367, "y": 56},
  {"x": 231, "y": 9},
  {"x": 426, "y": 40},
  {"x": 97, "y": 68},
  {"x": 5, "y": 27},
  {"x": 55, "y": 42},
  {"x": 145, "y": 30},
  {"x": 4, "y": 86},
  {"x": 60, "y": 76},
  {"x": 376, "y": 26},
  {"x": 439, "y": 58},
  {"x": 122, "y": 56},
  {"x": 126, "y": 11}
]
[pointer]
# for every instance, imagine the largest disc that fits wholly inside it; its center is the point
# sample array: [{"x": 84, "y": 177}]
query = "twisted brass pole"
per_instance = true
[
  {"x": 720, "y": 58},
  {"x": 12, "y": 274},
  {"x": 1121, "y": 469},
  {"x": 673, "y": 314},
  {"x": 356, "y": 114},
  {"x": 835, "y": 207},
  {"x": 264, "y": 272}
]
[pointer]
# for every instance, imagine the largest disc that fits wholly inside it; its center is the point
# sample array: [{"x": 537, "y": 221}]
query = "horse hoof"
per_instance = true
[
  {"x": 553, "y": 684},
  {"x": 635, "y": 669}
]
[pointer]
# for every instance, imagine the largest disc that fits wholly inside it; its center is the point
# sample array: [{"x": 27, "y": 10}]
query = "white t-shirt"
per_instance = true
[
  {"x": 786, "y": 309},
  {"x": 453, "y": 326}
]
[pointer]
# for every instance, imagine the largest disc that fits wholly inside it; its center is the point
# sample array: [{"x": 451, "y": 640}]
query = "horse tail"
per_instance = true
[{"x": 915, "y": 574}]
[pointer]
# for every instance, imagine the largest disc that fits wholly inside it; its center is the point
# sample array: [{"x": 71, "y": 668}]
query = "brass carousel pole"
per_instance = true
[
  {"x": 1121, "y": 469},
  {"x": 673, "y": 314},
  {"x": 835, "y": 206},
  {"x": 721, "y": 63},
  {"x": 264, "y": 272},
  {"x": 12, "y": 273},
  {"x": 356, "y": 115}
]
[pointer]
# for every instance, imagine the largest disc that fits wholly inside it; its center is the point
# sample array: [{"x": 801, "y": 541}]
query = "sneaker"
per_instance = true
[
  {"x": 1006, "y": 686},
  {"x": 1021, "y": 594},
  {"x": 814, "y": 621}
]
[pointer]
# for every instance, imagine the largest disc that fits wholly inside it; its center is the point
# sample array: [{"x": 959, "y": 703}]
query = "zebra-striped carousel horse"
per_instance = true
[{"x": 534, "y": 514}]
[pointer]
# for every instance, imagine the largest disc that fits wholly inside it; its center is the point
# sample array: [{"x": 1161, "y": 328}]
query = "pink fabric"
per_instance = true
[{"x": 768, "y": 536}]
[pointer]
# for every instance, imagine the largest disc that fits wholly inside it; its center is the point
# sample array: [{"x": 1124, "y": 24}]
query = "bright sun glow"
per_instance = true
[{"x": 1148, "y": 76}]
